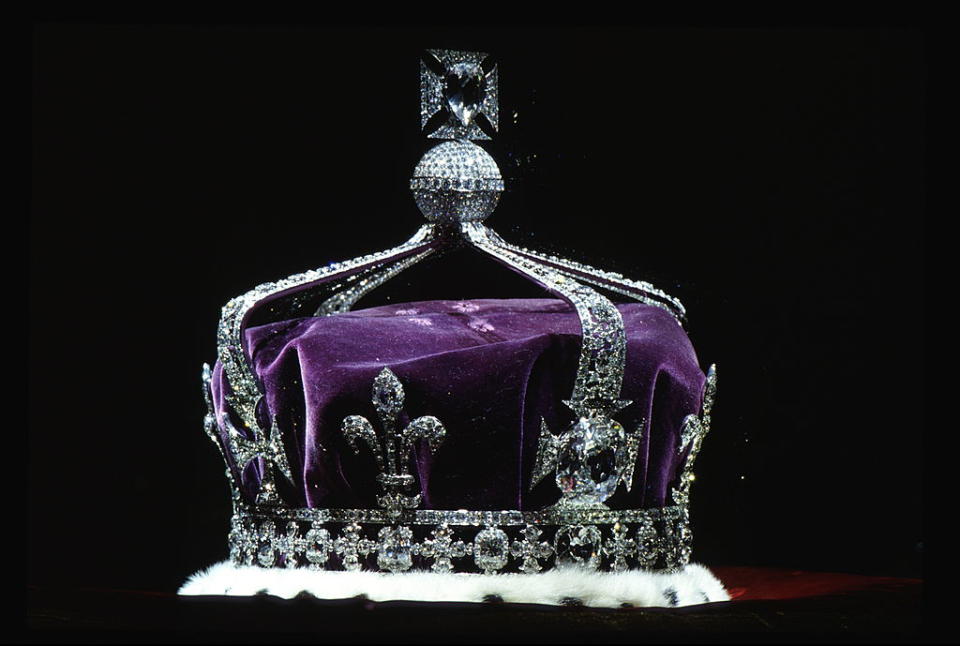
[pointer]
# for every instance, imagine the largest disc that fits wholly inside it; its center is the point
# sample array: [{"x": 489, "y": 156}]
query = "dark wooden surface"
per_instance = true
[{"x": 780, "y": 605}]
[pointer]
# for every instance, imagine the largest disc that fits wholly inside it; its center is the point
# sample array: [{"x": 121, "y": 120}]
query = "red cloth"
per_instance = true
[{"x": 752, "y": 583}]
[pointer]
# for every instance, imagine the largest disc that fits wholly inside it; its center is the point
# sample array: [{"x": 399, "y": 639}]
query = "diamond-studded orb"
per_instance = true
[
  {"x": 456, "y": 181},
  {"x": 592, "y": 454}
]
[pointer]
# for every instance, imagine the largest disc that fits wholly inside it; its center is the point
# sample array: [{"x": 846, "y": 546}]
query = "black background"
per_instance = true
[{"x": 771, "y": 178}]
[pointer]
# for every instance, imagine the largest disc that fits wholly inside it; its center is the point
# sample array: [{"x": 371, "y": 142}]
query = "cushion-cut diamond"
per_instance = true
[
  {"x": 490, "y": 549},
  {"x": 394, "y": 551},
  {"x": 578, "y": 544},
  {"x": 464, "y": 88}
]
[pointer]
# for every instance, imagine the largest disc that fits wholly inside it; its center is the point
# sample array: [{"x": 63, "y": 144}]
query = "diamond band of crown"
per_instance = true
[
  {"x": 456, "y": 185},
  {"x": 461, "y": 540}
]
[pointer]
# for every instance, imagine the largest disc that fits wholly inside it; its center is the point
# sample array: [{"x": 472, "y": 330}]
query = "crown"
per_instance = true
[{"x": 528, "y": 438}]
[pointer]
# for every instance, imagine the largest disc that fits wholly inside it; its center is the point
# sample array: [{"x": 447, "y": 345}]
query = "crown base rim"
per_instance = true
[{"x": 692, "y": 585}]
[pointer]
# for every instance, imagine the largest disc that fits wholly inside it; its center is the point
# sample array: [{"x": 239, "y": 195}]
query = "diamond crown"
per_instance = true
[{"x": 456, "y": 185}]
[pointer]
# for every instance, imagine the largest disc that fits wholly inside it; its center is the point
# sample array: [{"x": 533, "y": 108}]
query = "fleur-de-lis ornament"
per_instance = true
[{"x": 392, "y": 448}]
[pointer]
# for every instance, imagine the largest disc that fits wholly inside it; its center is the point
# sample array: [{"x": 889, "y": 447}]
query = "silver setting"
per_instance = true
[
  {"x": 619, "y": 547},
  {"x": 669, "y": 537},
  {"x": 548, "y": 448},
  {"x": 443, "y": 548},
  {"x": 464, "y": 517},
  {"x": 684, "y": 536},
  {"x": 211, "y": 428},
  {"x": 359, "y": 285},
  {"x": 465, "y": 91},
  {"x": 291, "y": 544},
  {"x": 318, "y": 546},
  {"x": 352, "y": 546},
  {"x": 531, "y": 550},
  {"x": 692, "y": 432},
  {"x": 648, "y": 543},
  {"x": 393, "y": 448},
  {"x": 268, "y": 546},
  {"x": 590, "y": 460},
  {"x": 580, "y": 544},
  {"x": 526, "y": 542},
  {"x": 638, "y": 290}
]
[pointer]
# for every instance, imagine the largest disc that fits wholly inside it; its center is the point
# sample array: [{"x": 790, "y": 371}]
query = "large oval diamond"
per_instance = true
[{"x": 589, "y": 461}]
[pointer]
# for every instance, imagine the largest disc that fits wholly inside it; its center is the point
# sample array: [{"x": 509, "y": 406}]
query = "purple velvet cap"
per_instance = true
[{"x": 489, "y": 370}]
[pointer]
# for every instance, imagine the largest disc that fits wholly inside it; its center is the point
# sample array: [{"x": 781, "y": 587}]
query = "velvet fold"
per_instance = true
[{"x": 489, "y": 370}]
